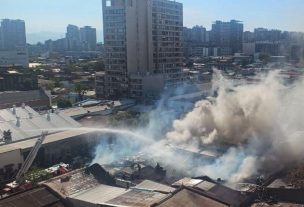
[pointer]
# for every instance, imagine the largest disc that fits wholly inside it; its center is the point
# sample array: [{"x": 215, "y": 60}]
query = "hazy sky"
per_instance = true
[{"x": 55, "y": 15}]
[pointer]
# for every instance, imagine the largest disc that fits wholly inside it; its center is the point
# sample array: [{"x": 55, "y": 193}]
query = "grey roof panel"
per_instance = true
[
  {"x": 32, "y": 126},
  {"x": 150, "y": 185}
]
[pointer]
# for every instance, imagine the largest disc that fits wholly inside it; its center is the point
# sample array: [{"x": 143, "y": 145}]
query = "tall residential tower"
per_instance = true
[
  {"x": 227, "y": 36},
  {"x": 88, "y": 38},
  {"x": 143, "y": 46},
  {"x": 13, "y": 49},
  {"x": 12, "y": 34}
]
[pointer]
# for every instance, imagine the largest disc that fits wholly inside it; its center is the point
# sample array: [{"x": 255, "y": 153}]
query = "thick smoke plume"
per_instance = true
[
  {"x": 256, "y": 128},
  {"x": 262, "y": 123}
]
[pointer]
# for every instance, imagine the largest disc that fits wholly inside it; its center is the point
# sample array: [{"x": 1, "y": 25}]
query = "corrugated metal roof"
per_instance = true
[
  {"x": 137, "y": 198},
  {"x": 222, "y": 193},
  {"x": 189, "y": 182},
  {"x": 78, "y": 182},
  {"x": 189, "y": 198},
  {"x": 34, "y": 198},
  {"x": 31, "y": 122},
  {"x": 281, "y": 204},
  {"x": 100, "y": 194},
  {"x": 148, "y": 184},
  {"x": 205, "y": 186}
]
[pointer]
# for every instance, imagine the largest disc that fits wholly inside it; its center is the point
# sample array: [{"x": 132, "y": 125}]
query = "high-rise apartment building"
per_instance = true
[
  {"x": 262, "y": 34},
  {"x": 143, "y": 46},
  {"x": 12, "y": 34},
  {"x": 88, "y": 38},
  {"x": 13, "y": 49},
  {"x": 73, "y": 38},
  {"x": 195, "y": 34},
  {"x": 195, "y": 41},
  {"x": 227, "y": 36}
]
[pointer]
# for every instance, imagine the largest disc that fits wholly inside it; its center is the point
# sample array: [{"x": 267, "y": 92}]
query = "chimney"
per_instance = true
[
  {"x": 23, "y": 105},
  {"x": 18, "y": 123},
  {"x": 14, "y": 109}
]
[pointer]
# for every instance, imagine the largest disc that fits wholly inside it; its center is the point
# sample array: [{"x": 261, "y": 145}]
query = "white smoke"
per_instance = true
[
  {"x": 263, "y": 122},
  {"x": 260, "y": 127}
]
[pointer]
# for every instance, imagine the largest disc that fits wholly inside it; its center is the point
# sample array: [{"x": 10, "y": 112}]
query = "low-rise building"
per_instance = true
[
  {"x": 11, "y": 80},
  {"x": 14, "y": 58},
  {"x": 24, "y": 122},
  {"x": 37, "y": 99}
]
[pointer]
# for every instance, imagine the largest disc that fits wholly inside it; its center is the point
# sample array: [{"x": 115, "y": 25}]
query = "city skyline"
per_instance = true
[{"x": 44, "y": 18}]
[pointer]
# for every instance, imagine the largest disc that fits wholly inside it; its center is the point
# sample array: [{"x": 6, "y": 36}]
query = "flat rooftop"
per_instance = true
[{"x": 25, "y": 122}]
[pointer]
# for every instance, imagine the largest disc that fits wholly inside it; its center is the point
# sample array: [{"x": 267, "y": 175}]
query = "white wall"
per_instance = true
[{"x": 13, "y": 157}]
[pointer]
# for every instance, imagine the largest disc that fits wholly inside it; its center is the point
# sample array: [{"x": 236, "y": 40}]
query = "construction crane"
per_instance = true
[{"x": 30, "y": 158}]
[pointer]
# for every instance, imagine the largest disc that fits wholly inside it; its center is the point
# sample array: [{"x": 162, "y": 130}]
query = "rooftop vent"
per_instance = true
[
  {"x": 18, "y": 123},
  {"x": 14, "y": 109},
  {"x": 48, "y": 117}
]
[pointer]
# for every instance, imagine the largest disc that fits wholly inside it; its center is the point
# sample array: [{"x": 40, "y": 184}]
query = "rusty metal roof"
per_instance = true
[
  {"x": 189, "y": 182},
  {"x": 137, "y": 198},
  {"x": 222, "y": 193},
  {"x": 262, "y": 204},
  {"x": 79, "y": 181},
  {"x": 186, "y": 197},
  {"x": 38, "y": 197},
  {"x": 98, "y": 195}
]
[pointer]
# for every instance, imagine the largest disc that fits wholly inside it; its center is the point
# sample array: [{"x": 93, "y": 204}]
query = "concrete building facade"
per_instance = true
[
  {"x": 228, "y": 36},
  {"x": 88, "y": 38},
  {"x": 73, "y": 38},
  {"x": 142, "y": 38},
  {"x": 14, "y": 58},
  {"x": 13, "y": 50},
  {"x": 12, "y": 34}
]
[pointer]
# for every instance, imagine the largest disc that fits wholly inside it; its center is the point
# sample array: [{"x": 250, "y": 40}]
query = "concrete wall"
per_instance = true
[
  {"x": 249, "y": 48},
  {"x": 13, "y": 158},
  {"x": 139, "y": 36},
  {"x": 62, "y": 150}
]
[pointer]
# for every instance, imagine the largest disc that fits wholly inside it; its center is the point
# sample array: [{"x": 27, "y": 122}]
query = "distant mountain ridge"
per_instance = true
[{"x": 35, "y": 37}]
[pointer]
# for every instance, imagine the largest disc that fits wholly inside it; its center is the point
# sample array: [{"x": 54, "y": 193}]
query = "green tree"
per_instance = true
[
  {"x": 27, "y": 84},
  {"x": 99, "y": 66},
  {"x": 64, "y": 103},
  {"x": 81, "y": 89},
  {"x": 265, "y": 58}
]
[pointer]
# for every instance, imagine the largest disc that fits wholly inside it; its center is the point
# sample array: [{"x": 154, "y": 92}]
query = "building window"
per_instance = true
[
  {"x": 109, "y": 3},
  {"x": 130, "y": 3}
]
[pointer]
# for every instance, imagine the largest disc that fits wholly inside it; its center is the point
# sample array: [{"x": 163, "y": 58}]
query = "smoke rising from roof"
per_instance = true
[
  {"x": 263, "y": 123},
  {"x": 258, "y": 127}
]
